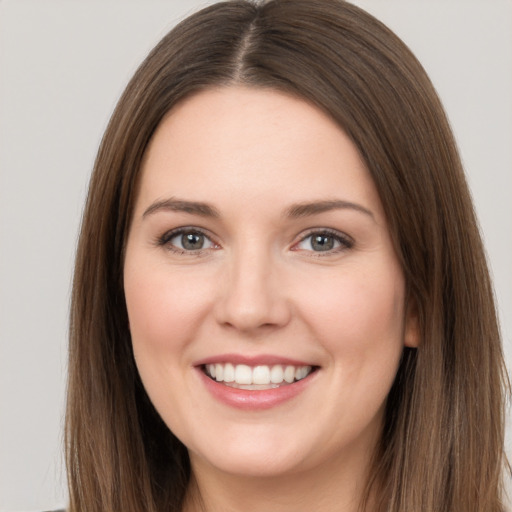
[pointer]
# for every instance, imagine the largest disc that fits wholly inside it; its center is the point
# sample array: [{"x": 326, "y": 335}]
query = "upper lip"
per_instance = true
[{"x": 252, "y": 360}]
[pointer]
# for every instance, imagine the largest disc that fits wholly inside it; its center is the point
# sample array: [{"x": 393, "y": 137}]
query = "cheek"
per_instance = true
[
  {"x": 359, "y": 323},
  {"x": 164, "y": 308},
  {"x": 359, "y": 315}
]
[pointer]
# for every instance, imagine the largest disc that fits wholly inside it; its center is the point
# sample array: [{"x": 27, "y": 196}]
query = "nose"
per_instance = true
[{"x": 252, "y": 297}]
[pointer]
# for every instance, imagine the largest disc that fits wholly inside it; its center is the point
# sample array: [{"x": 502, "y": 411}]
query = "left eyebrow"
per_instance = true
[
  {"x": 180, "y": 205},
  {"x": 316, "y": 207}
]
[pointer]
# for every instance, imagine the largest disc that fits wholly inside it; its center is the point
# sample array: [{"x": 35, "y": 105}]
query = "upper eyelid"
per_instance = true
[
  {"x": 171, "y": 233},
  {"x": 168, "y": 235},
  {"x": 186, "y": 229},
  {"x": 346, "y": 243},
  {"x": 329, "y": 231}
]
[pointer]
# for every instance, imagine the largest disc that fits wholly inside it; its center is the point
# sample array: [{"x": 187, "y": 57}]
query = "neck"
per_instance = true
[{"x": 321, "y": 490}]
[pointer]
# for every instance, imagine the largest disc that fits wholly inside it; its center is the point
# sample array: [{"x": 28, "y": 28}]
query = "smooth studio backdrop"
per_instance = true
[{"x": 63, "y": 64}]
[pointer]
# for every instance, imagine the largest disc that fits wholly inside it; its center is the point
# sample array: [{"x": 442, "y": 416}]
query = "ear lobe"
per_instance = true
[{"x": 411, "y": 325}]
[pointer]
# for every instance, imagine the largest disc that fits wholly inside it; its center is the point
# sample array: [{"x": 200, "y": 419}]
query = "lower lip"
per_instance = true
[{"x": 253, "y": 400}]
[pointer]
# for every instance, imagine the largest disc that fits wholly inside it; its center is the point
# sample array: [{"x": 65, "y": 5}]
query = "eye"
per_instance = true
[
  {"x": 187, "y": 240},
  {"x": 324, "y": 241}
]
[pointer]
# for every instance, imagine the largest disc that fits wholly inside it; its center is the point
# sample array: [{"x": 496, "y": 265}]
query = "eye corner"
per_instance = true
[
  {"x": 323, "y": 242},
  {"x": 181, "y": 241}
]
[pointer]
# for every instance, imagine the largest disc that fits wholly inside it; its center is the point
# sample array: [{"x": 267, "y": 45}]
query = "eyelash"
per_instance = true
[
  {"x": 344, "y": 241},
  {"x": 164, "y": 240}
]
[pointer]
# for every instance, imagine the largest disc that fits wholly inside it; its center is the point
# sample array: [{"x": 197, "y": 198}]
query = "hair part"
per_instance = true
[{"x": 442, "y": 444}]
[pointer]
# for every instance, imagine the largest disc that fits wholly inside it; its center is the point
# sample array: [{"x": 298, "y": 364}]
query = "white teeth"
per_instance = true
[
  {"x": 219, "y": 372},
  {"x": 277, "y": 374},
  {"x": 289, "y": 374},
  {"x": 229, "y": 373},
  {"x": 300, "y": 373},
  {"x": 261, "y": 375},
  {"x": 243, "y": 374},
  {"x": 257, "y": 375}
]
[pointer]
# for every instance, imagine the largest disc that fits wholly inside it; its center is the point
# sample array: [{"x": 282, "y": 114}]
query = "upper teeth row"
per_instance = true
[{"x": 244, "y": 374}]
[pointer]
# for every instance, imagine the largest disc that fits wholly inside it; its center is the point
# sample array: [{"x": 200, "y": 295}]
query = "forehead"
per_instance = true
[{"x": 250, "y": 143}]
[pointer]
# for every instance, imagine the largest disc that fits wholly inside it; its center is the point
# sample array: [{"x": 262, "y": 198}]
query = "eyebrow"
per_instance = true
[
  {"x": 179, "y": 205},
  {"x": 294, "y": 211},
  {"x": 316, "y": 207}
]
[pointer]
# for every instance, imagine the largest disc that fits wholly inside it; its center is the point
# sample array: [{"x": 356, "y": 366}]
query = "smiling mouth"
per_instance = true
[{"x": 260, "y": 377}]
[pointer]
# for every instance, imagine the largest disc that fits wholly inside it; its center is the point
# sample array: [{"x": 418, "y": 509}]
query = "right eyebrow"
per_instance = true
[
  {"x": 180, "y": 205},
  {"x": 316, "y": 207}
]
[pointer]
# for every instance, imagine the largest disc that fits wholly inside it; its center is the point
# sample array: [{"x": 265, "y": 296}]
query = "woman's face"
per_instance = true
[{"x": 265, "y": 299}]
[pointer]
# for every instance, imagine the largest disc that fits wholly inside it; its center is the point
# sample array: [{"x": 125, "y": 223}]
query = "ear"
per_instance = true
[{"x": 411, "y": 324}]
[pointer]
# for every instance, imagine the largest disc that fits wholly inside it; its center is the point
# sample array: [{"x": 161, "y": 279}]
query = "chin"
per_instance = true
[
  {"x": 253, "y": 452},
  {"x": 245, "y": 463}
]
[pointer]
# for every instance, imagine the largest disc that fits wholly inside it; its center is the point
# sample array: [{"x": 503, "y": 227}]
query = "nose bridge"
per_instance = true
[{"x": 252, "y": 296}]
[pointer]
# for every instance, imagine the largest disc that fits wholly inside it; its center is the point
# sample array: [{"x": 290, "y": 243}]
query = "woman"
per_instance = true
[{"x": 281, "y": 298}]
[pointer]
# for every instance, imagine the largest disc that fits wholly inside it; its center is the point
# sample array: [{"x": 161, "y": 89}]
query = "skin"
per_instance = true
[{"x": 259, "y": 287}]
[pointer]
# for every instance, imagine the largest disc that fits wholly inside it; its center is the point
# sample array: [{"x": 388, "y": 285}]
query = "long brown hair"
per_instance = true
[{"x": 442, "y": 444}]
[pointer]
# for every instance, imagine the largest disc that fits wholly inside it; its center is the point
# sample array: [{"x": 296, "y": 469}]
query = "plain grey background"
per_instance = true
[{"x": 63, "y": 64}]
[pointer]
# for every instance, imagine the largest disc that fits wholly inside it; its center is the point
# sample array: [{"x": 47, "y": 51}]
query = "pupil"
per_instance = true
[
  {"x": 192, "y": 241},
  {"x": 322, "y": 243}
]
